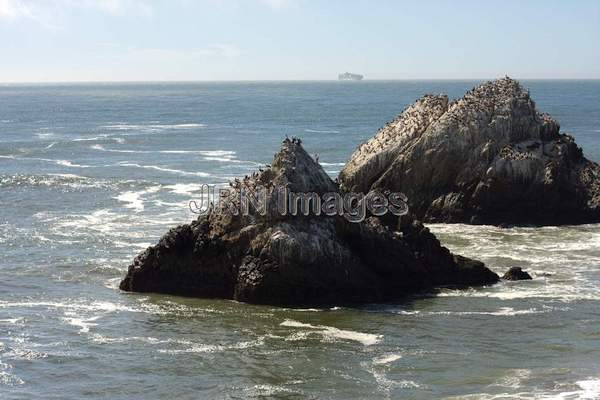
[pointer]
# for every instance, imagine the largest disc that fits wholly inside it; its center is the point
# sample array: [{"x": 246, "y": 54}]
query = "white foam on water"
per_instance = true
[
  {"x": 68, "y": 304},
  {"x": 514, "y": 378},
  {"x": 11, "y": 320},
  {"x": 386, "y": 359},
  {"x": 180, "y": 205},
  {"x": 330, "y": 333},
  {"x": 557, "y": 292},
  {"x": 88, "y": 311},
  {"x": 336, "y": 164},
  {"x": 83, "y": 324},
  {"x": 50, "y": 145},
  {"x": 70, "y": 176},
  {"x": 150, "y": 127},
  {"x": 221, "y": 159},
  {"x": 121, "y": 127},
  {"x": 8, "y": 379},
  {"x": 184, "y": 126},
  {"x": 72, "y": 181},
  {"x": 138, "y": 245},
  {"x": 68, "y": 163},
  {"x": 320, "y": 131},
  {"x": 44, "y": 135},
  {"x": 100, "y": 339},
  {"x": 217, "y": 153},
  {"x": 100, "y": 221},
  {"x": 162, "y": 169},
  {"x": 561, "y": 259},
  {"x": 378, "y": 370},
  {"x": 102, "y": 148},
  {"x": 271, "y": 391},
  {"x": 133, "y": 200},
  {"x": 186, "y": 189},
  {"x": 114, "y": 137},
  {"x": 55, "y": 179},
  {"x": 90, "y": 139},
  {"x": 65, "y": 163},
  {"x": 226, "y": 156},
  {"x": 22, "y": 353},
  {"x": 210, "y": 348},
  {"x": 179, "y": 151},
  {"x": 83, "y": 314},
  {"x": 589, "y": 389},
  {"x": 502, "y": 311}
]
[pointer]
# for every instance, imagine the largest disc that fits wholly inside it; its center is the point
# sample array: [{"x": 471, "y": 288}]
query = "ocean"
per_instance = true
[{"x": 91, "y": 174}]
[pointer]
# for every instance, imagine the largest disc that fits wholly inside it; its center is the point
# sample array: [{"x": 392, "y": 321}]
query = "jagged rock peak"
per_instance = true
[
  {"x": 506, "y": 87},
  {"x": 292, "y": 168},
  {"x": 487, "y": 157},
  {"x": 292, "y": 165}
]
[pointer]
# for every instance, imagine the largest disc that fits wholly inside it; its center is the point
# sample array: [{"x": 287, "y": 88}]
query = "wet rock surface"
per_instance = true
[
  {"x": 516, "y": 274},
  {"x": 299, "y": 260},
  {"x": 487, "y": 158}
]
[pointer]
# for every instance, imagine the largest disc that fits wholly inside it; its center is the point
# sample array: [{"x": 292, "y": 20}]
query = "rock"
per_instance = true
[
  {"x": 487, "y": 158},
  {"x": 298, "y": 260},
  {"x": 516, "y": 274}
]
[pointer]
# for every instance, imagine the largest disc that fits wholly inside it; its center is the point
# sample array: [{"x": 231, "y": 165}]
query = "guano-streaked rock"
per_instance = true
[{"x": 487, "y": 158}]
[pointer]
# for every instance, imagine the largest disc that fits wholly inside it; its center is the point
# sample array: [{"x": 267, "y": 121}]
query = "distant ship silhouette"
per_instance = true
[{"x": 347, "y": 76}]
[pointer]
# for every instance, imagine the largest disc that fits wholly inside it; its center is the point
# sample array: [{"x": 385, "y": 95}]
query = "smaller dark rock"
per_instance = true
[{"x": 516, "y": 274}]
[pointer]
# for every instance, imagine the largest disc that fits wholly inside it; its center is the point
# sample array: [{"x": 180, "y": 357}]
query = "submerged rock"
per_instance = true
[
  {"x": 298, "y": 260},
  {"x": 487, "y": 158},
  {"x": 516, "y": 274}
]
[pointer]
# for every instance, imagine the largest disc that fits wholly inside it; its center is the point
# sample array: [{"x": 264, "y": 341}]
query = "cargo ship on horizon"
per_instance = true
[{"x": 347, "y": 76}]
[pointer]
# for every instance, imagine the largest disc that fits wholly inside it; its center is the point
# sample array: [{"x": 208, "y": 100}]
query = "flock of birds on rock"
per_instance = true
[{"x": 482, "y": 98}]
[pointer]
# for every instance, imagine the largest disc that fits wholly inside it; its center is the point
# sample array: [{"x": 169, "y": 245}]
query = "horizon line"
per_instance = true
[{"x": 75, "y": 82}]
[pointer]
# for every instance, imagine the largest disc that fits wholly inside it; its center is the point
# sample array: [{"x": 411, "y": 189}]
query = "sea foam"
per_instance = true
[
  {"x": 162, "y": 169},
  {"x": 330, "y": 333}
]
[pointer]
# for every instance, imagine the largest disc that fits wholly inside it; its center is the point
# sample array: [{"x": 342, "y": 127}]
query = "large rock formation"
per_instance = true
[
  {"x": 298, "y": 260},
  {"x": 487, "y": 158}
]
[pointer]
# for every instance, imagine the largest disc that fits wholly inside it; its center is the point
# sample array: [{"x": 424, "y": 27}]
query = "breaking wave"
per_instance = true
[
  {"x": 149, "y": 127},
  {"x": 329, "y": 333},
  {"x": 162, "y": 169},
  {"x": 320, "y": 131}
]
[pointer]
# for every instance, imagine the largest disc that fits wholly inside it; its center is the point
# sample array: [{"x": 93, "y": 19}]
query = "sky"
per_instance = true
[{"x": 187, "y": 40}]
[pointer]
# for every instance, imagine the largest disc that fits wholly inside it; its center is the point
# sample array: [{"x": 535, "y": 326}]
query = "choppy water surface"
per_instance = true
[{"x": 92, "y": 174}]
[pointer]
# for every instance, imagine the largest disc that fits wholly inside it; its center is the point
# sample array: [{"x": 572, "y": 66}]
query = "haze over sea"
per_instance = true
[{"x": 91, "y": 174}]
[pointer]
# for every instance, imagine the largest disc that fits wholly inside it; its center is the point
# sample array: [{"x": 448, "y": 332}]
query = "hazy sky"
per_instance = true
[{"x": 111, "y": 40}]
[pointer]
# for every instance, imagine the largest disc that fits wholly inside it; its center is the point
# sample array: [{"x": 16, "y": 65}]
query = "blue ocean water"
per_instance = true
[{"x": 90, "y": 174}]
